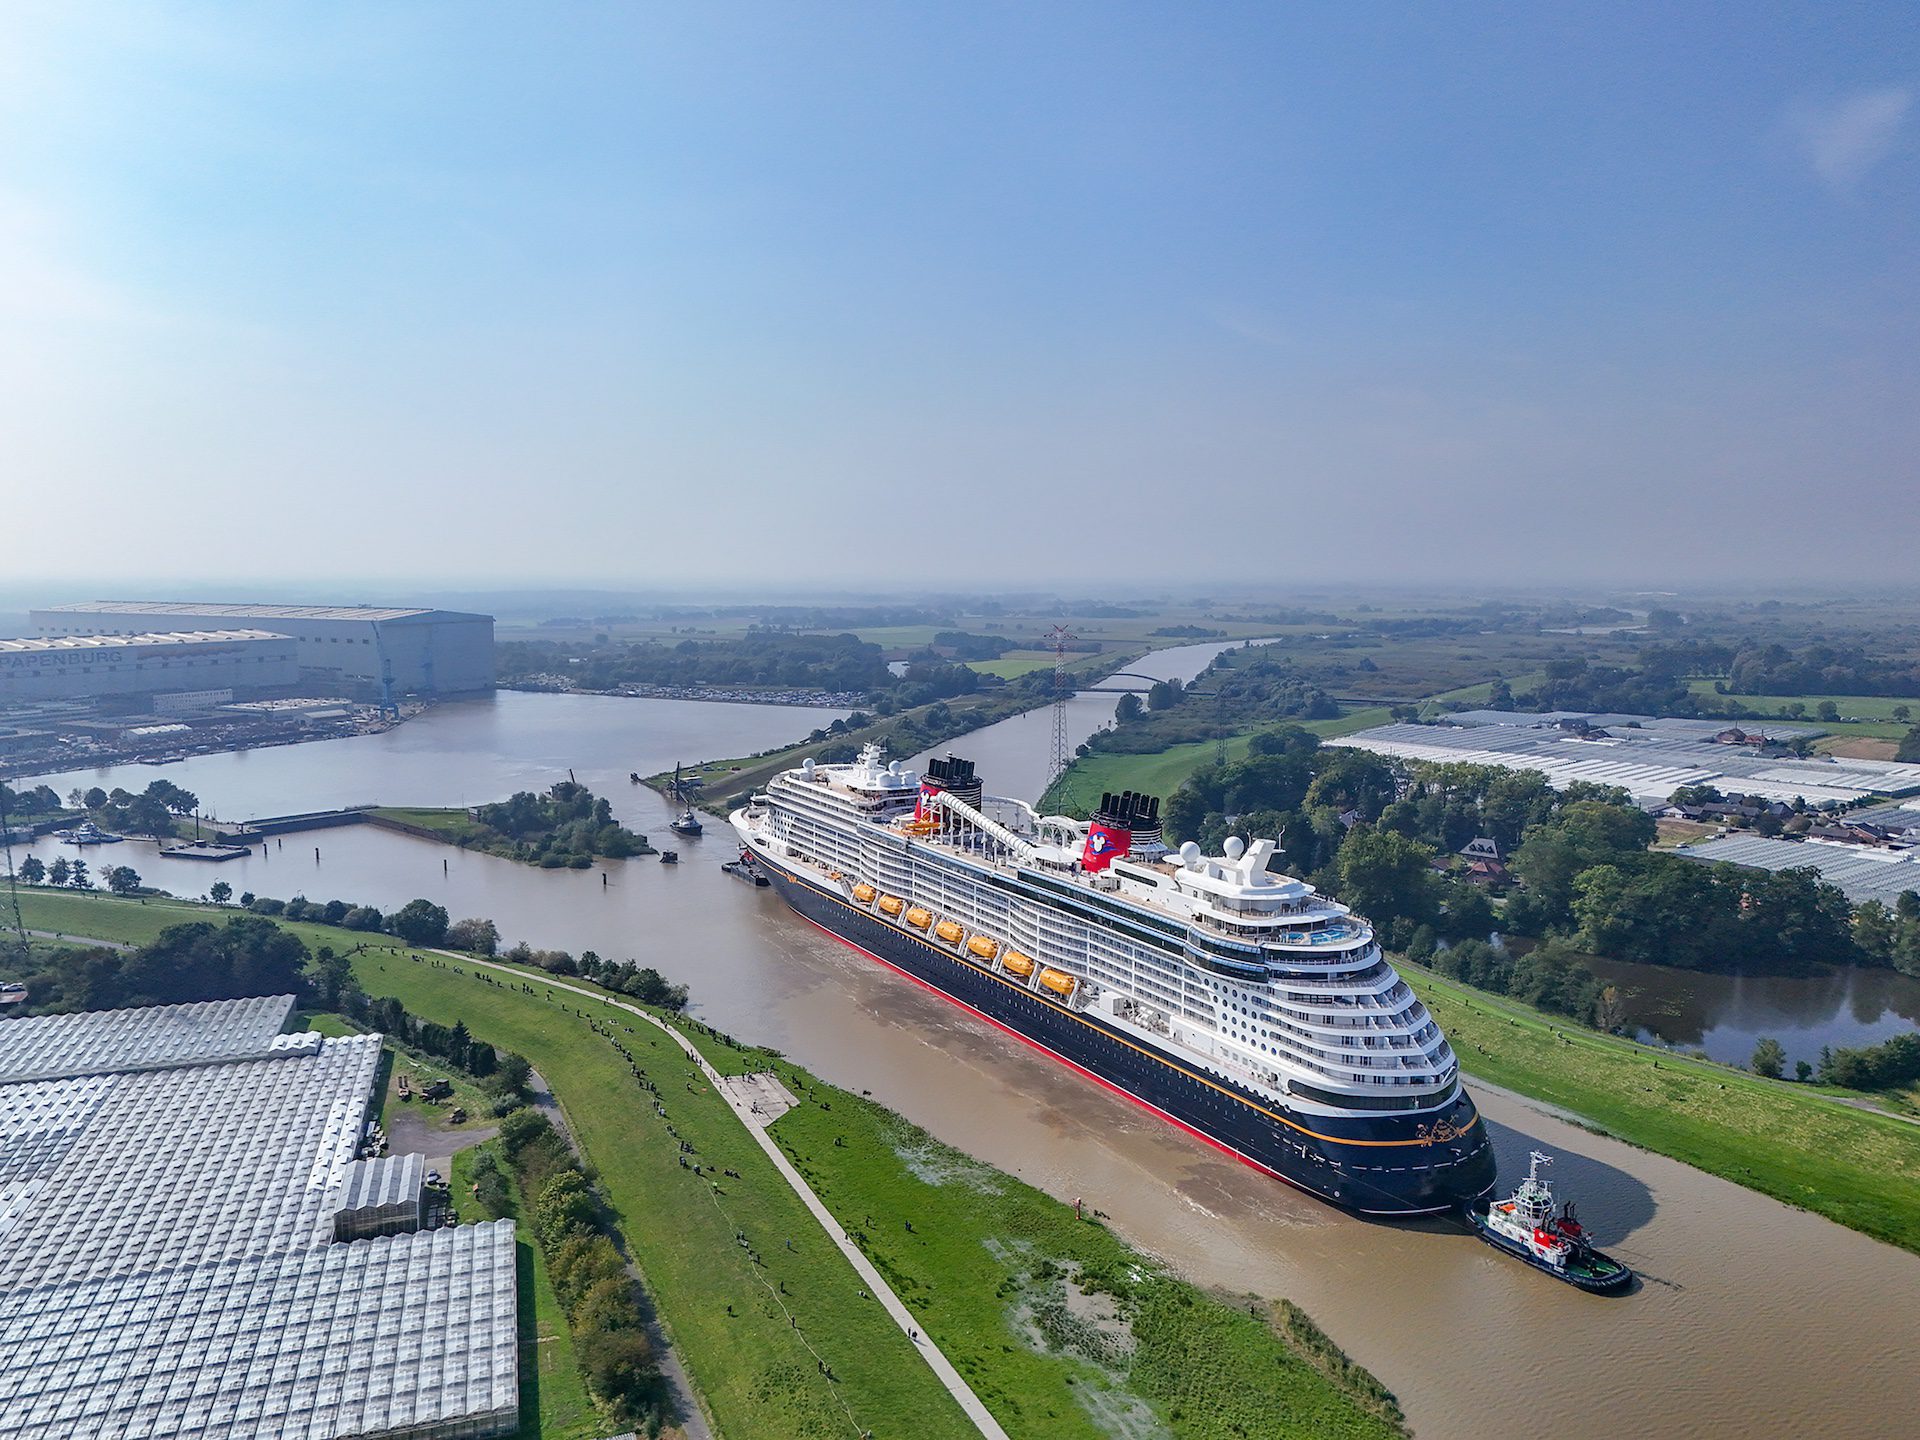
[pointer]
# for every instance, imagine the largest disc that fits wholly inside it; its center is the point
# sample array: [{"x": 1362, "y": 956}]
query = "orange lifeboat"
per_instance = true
[
  {"x": 892, "y": 904},
  {"x": 948, "y": 931},
  {"x": 864, "y": 893},
  {"x": 1058, "y": 981},
  {"x": 919, "y": 918},
  {"x": 1017, "y": 963},
  {"x": 983, "y": 947}
]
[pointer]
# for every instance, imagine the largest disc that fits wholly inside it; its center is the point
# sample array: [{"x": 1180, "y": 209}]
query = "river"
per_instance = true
[{"x": 1754, "y": 1319}]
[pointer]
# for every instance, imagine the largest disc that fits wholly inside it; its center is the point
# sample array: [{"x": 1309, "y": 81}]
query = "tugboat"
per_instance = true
[
  {"x": 1524, "y": 1224},
  {"x": 686, "y": 823}
]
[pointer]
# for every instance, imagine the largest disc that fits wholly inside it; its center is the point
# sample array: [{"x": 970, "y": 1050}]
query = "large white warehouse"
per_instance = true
[
  {"x": 83, "y": 667},
  {"x": 342, "y": 648}
]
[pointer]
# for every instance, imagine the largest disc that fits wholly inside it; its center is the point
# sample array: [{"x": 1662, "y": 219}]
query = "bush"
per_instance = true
[{"x": 477, "y": 937}]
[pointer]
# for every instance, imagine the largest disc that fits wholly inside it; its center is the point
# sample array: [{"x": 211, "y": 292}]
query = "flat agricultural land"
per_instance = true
[
  {"x": 1797, "y": 1143},
  {"x": 1851, "y": 707},
  {"x": 1857, "y": 747},
  {"x": 1013, "y": 664}
]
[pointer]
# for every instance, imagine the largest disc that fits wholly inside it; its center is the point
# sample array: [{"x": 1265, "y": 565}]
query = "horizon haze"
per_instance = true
[{"x": 868, "y": 297}]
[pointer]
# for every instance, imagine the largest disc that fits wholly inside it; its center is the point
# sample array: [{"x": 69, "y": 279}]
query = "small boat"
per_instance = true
[
  {"x": 949, "y": 931},
  {"x": 983, "y": 947},
  {"x": 864, "y": 893},
  {"x": 88, "y": 833},
  {"x": 669, "y": 857},
  {"x": 892, "y": 904},
  {"x": 919, "y": 918},
  {"x": 1524, "y": 1225},
  {"x": 1017, "y": 963},
  {"x": 1058, "y": 981},
  {"x": 743, "y": 869},
  {"x": 686, "y": 823}
]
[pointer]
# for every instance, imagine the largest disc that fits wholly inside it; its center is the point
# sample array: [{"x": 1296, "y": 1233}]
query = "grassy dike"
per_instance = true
[
  {"x": 1797, "y": 1143},
  {"x": 1062, "y": 1329}
]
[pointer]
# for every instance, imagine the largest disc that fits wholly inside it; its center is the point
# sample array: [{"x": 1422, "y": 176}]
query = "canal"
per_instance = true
[{"x": 1754, "y": 1318}]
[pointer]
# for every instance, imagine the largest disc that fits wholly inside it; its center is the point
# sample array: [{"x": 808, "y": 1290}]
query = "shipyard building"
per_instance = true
[
  {"x": 167, "y": 663},
  {"x": 362, "y": 651},
  {"x": 192, "y": 1244}
]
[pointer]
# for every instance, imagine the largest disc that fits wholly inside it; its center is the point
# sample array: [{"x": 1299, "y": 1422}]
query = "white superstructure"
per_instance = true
[{"x": 1235, "y": 969}]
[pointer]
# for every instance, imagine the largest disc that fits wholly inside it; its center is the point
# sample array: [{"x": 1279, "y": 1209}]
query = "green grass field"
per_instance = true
[
  {"x": 1014, "y": 664},
  {"x": 1002, "y": 1275},
  {"x": 1790, "y": 1141},
  {"x": 750, "y": 1364},
  {"x": 1851, "y": 707},
  {"x": 453, "y": 823}
]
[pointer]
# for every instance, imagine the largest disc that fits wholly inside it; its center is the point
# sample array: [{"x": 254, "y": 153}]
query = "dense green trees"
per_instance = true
[
  {"x": 477, "y": 937},
  {"x": 589, "y": 1277},
  {"x": 1890, "y": 937},
  {"x": 420, "y": 922},
  {"x": 198, "y": 961},
  {"x": 825, "y": 662},
  {"x": 566, "y": 826},
  {"x": 1769, "y": 1058},
  {"x": 1874, "y": 1067}
]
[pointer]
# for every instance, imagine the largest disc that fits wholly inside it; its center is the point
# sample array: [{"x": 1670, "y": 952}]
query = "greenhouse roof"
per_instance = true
[
  {"x": 100, "y": 1042},
  {"x": 167, "y": 1260}
]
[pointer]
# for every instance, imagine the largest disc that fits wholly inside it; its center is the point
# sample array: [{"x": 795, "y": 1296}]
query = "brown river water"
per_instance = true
[{"x": 1753, "y": 1319}]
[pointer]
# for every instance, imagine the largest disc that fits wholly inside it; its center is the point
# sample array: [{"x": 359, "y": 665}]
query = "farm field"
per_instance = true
[{"x": 1853, "y": 708}]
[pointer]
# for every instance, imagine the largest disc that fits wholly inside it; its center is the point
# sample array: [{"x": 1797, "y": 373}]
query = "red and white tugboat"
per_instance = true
[{"x": 1524, "y": 1224}]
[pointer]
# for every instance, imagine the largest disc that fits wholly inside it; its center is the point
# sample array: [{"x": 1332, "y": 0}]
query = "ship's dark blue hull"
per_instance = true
[{"x": 1379, "y": 1165}]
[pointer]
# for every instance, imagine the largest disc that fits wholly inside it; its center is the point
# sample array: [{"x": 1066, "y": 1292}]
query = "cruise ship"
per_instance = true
[{"x": 1236, "y": 1002}]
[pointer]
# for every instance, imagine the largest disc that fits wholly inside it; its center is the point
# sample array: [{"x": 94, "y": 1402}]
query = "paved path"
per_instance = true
[
  {"x": 742, "y": 1099},
  {"x": 87, "y": 939}
]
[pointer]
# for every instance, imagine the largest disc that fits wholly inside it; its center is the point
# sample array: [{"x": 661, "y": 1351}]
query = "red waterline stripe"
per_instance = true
[{"x": 1147, "y": 1105}]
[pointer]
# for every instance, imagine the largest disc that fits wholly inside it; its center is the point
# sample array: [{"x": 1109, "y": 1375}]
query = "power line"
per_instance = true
[{"x": 1062, "y": 692}]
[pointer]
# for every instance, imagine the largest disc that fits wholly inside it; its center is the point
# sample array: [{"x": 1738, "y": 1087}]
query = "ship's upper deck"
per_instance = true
[{"x": 1233, "y": 895}]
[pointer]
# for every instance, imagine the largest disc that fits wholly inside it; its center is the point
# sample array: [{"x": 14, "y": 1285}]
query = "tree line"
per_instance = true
[
  {"x": 1383, "y": 836},
  {"x": 1240, "y": 691},
  {"x": 575, "y": 1231}
]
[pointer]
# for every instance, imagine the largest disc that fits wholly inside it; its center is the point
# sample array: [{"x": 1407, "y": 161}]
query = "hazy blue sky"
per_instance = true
[{"x": 638, "y": 293}]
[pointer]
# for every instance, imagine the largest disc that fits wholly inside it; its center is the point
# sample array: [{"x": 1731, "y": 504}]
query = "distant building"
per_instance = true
[
  {"x": 349, "y": 649},
  {"x": 85, "y": 667}
]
